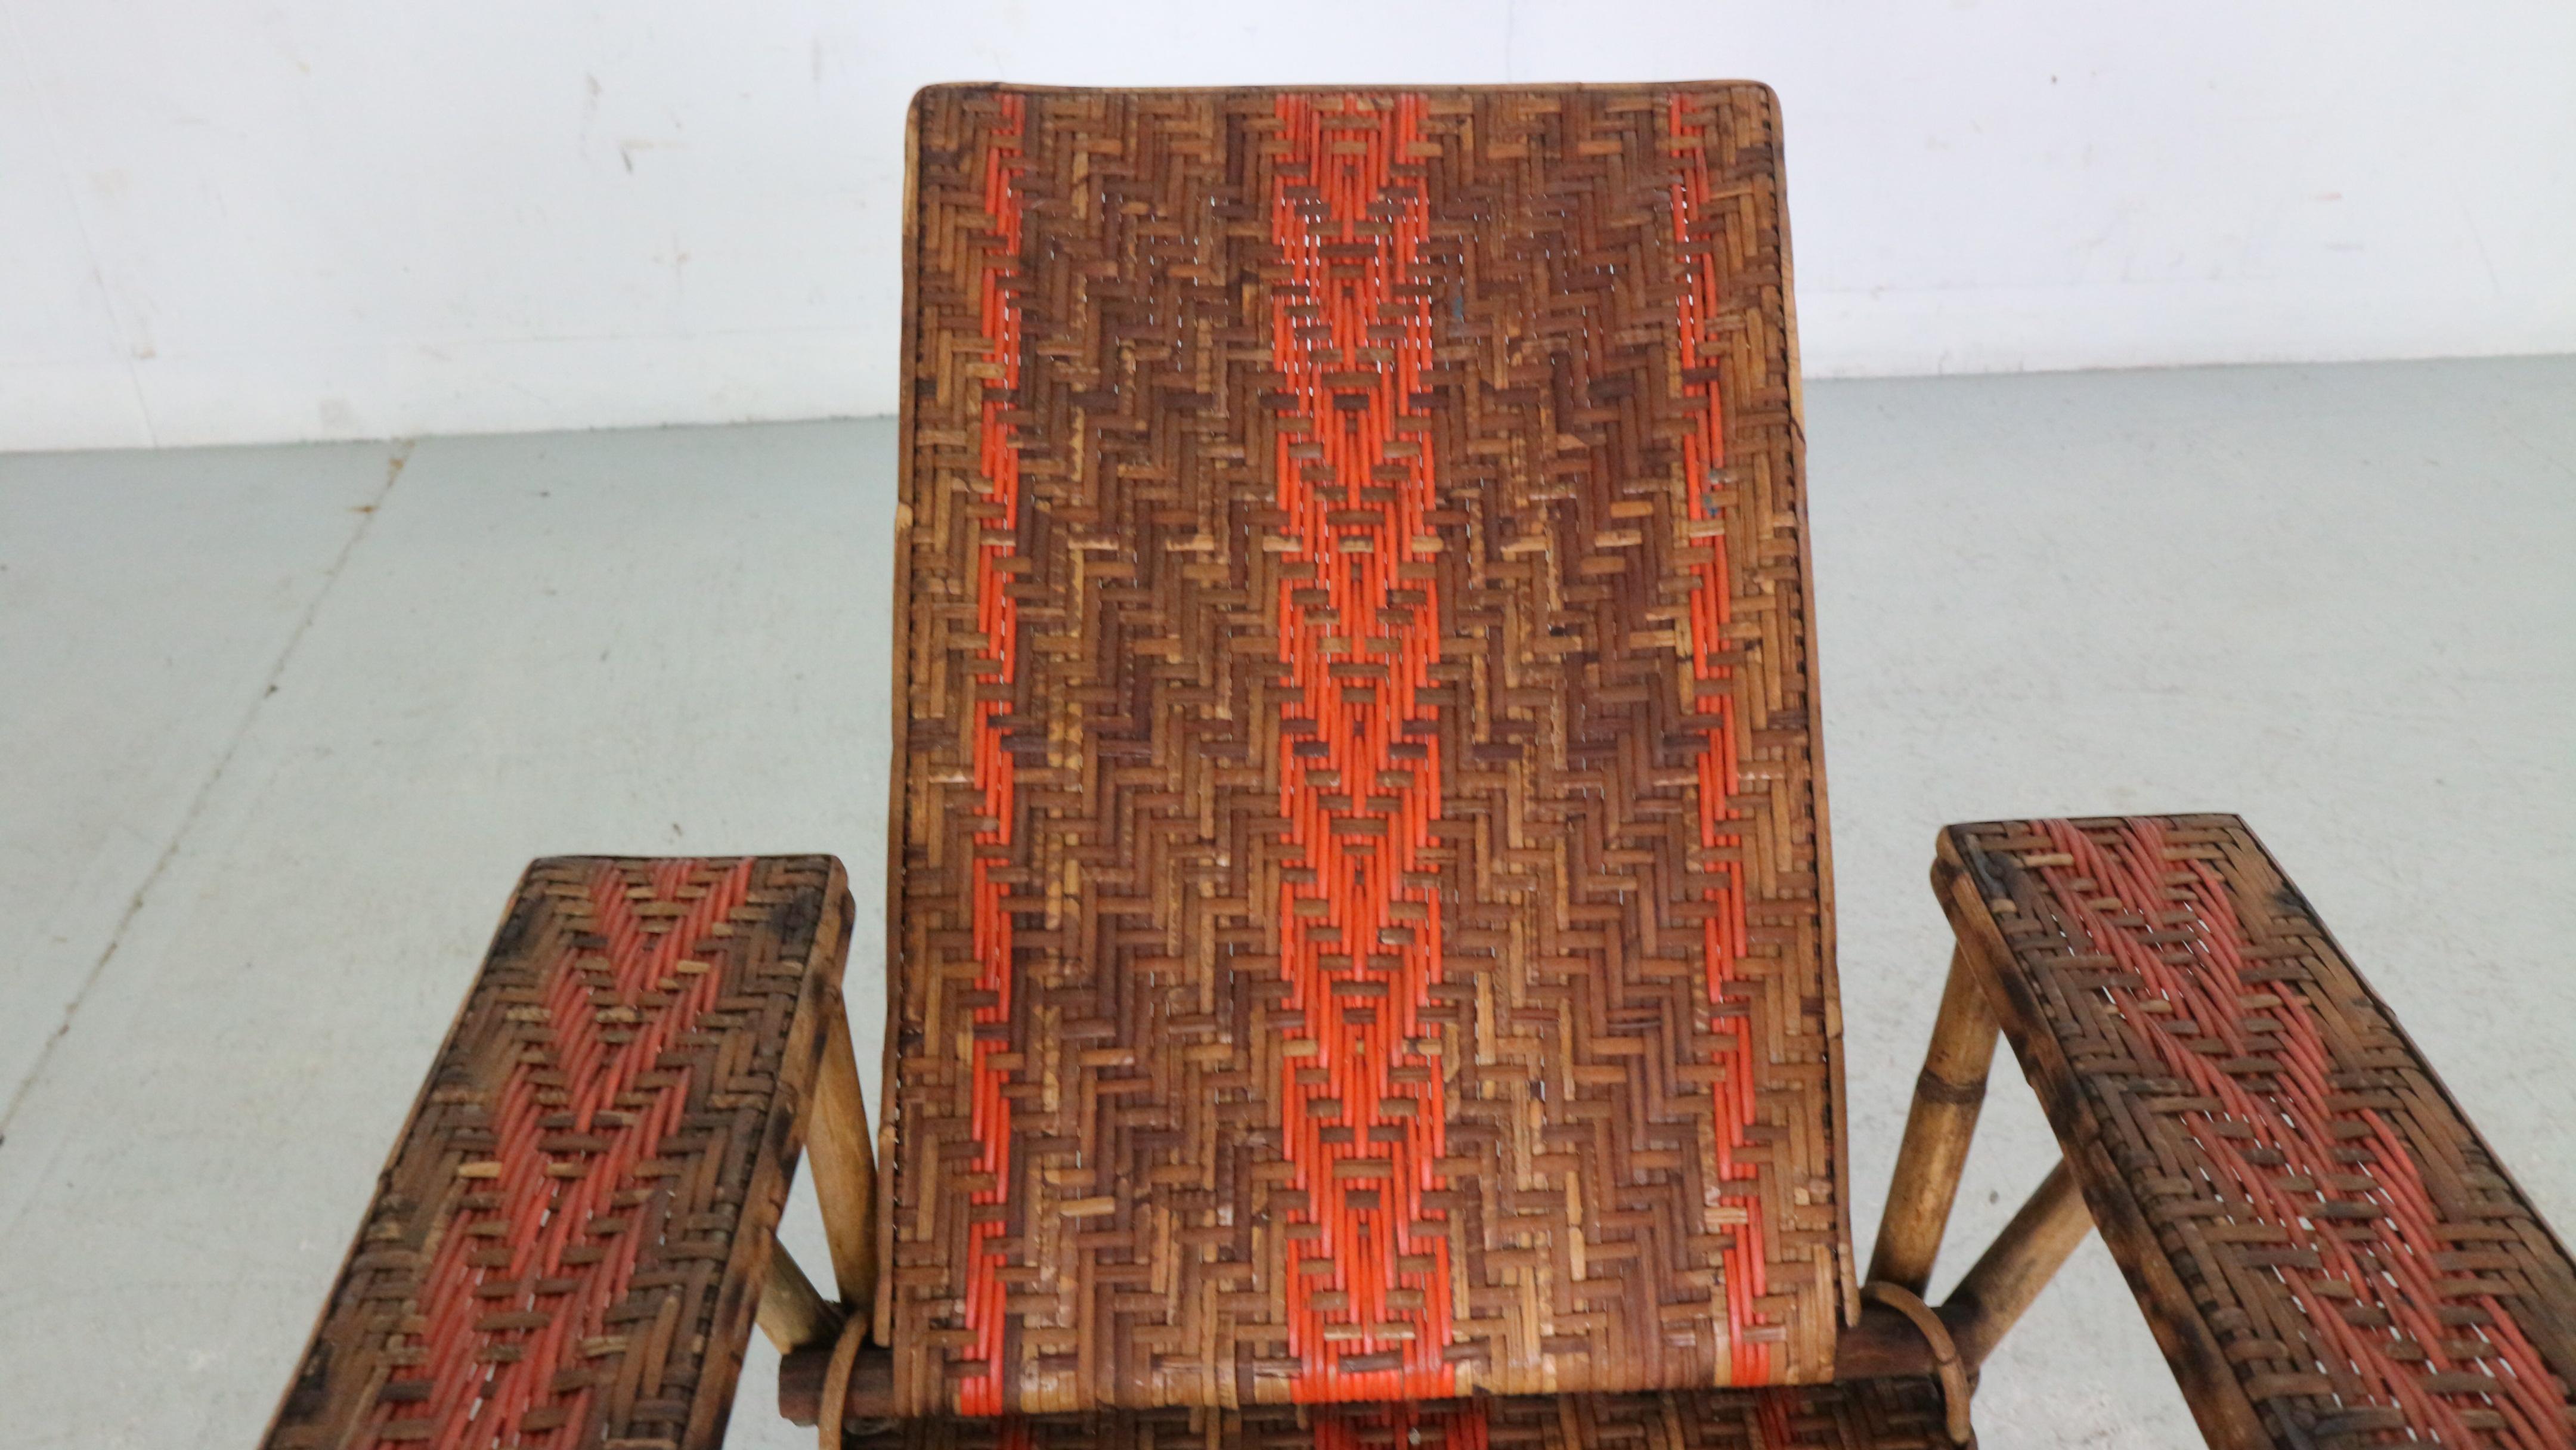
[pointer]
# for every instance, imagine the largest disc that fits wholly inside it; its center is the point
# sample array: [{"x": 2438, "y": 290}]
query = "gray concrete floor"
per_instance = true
[{"x": 284, "y": 722}]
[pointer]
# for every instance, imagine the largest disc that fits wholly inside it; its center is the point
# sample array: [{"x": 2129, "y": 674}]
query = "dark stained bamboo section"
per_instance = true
[
  {"x": 1995, "y": 1291},
  {"x": 2327, "y": 1251},
  {"x": 1948, "y": 1095},
  {"x": 1893, "y": 1414},
  {"x": 1363, "y": 901},
  {"x": 572, "y": 1237}
]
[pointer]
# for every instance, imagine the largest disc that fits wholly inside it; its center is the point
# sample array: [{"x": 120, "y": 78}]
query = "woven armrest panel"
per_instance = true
[
  {"x": 567, "y": 1245},
  {"x": 2328, "y": 1252},
  {"x": 1887, "y": 1414},
  {"x": 1362, "y": 887}
]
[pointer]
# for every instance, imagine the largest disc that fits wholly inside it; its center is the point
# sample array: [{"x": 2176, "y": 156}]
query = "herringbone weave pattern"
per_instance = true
[
  {"x": 1362, "y": 880},
  {"x": 2329, "y": 1251},
  {"x": 1869, "y": 1415},
  {"x": 567, "y": 1245}
]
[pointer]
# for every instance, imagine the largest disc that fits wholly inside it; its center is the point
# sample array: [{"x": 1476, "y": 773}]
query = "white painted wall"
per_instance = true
[{"x": 231, "y": 220}]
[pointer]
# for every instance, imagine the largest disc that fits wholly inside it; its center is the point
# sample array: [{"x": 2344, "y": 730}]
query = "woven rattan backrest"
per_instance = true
[{"x": 1362, "y": 921}]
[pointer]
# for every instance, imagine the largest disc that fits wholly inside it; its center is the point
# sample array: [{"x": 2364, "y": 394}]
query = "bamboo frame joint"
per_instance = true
[{"x": 1957, "y": 1384}]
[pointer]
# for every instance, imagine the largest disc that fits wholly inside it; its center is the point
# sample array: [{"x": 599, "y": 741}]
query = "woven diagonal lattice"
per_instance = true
[
  {"x": 2331, "y": 1254},
  {"x": 567, "y": 1245},
  {"x": 1362, "y": 926}
]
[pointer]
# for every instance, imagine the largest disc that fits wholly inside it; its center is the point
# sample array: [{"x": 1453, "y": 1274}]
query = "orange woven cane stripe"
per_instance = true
[
  {"x": 1359, "y": 763},
  {"x": 1703, "y": 454},
  {"x": 2113, "y": 883},
  {"x": 500, "y": 1329},
  {"x": 998, "y": 619}
]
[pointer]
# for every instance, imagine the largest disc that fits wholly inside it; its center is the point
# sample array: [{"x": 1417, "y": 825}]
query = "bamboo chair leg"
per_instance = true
[
  {"x": 793, "y": 1313},
  {"x": 1947, "y": 1098},
  {"x": 2017, "y": 1265},
  {"x": 844, "y": 1169}
]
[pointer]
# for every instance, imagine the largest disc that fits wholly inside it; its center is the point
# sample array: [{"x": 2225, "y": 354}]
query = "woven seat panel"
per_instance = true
[
  {"x": 1362, "y": 879},
  {"x": 2328, "y": 1251},
  {"x": 1864, "y": 1415},
  {"x": 566, "y": 1247}
]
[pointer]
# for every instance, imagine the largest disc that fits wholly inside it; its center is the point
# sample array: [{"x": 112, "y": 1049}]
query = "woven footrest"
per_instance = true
[
  {"x": 2327, "y": 1250},
  {"x": 1889, "y": 1414},
  {"x": 567, "y": 1245}
]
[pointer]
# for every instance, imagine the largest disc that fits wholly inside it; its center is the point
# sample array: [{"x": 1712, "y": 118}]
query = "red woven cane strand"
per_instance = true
[
  {"x": 997, "y": 618},
  {"x": 1703, "y": 454},
  {"x": 1359, "y": 757},
  {"x": 2296, "y": 1119},
  {"x": 502, "y": 1345}
]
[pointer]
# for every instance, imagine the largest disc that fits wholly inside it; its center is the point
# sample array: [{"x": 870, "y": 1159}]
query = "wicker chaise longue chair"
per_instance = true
[{"x": 1362, "y": 928}]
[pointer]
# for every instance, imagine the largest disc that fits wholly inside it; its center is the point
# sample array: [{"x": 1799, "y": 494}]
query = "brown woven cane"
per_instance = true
[
  {"x": 568, "y": 1244},
  {"x": 1363, "y": 904},
  {"x": 2328, "y": 1251}
]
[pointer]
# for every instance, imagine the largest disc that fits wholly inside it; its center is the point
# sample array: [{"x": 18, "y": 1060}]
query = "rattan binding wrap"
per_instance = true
[
  {"x": 2328, "y": 1252},
  {"x": 1893, "y": 1414},
  {"x": 567, "y": 1245},
  {"x": 1362, "y": 886}
]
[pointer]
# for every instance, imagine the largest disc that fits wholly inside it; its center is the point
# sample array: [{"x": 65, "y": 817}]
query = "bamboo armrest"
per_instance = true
[
  {"x": 575, "y": 1231},
  {"x": 2326, "y": 1249}
]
